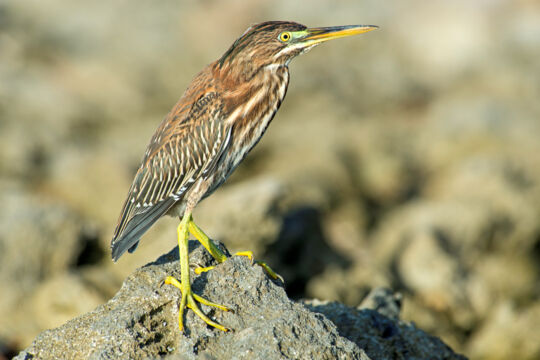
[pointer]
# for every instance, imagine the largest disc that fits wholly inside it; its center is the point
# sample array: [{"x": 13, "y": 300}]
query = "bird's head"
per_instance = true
[{"x": 278, "y": 42}]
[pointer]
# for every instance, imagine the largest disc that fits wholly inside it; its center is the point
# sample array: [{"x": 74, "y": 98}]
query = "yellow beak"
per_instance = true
[{"x": 318, "y": 35}]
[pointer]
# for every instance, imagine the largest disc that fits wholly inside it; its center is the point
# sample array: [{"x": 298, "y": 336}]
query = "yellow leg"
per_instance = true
[
  {"x": 189, "y": 299},
  {"x": 219, "y": 255},
  {"x": 205, "y": 241}
]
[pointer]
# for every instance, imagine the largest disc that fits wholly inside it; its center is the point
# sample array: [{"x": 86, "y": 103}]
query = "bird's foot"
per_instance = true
[
  {"x": 274, "y": 275},
  {"x": 189, "y": 299},
  {"x": 268, "y": 269},
  {"x": 249, "y": 255}
]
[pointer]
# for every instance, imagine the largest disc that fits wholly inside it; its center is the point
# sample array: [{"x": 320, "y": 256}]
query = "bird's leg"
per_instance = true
[
  {"x": 219, "y": 255},
  {"x": 189, "y": 299},
  {"x": 206, "y": 242}
]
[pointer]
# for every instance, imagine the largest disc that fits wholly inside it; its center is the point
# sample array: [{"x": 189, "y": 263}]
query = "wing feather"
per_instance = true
[{"x": 178, "y": 155}]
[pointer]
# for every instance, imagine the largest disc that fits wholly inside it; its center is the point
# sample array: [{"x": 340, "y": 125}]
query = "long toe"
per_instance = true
[
  {"x": 192, "y": 304},
  {"x": 190, "y": 300},
  {"x": 274, "y": 275},
  {"x": 268, "y": 269}
]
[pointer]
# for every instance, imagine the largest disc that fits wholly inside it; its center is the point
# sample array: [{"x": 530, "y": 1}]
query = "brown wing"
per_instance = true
[{"x": 181, "y": 151}]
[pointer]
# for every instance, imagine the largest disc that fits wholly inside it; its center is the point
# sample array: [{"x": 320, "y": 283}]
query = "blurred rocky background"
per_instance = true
[{"x": 408, "y": 157}]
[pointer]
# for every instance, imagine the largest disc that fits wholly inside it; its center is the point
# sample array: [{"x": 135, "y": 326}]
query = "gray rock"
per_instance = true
[
  {"x": 141, "y": 322},
  {"x": 384, "y": 301},
  {"x": 381, "y": 337},
  {"x": 40, "y": 239}
]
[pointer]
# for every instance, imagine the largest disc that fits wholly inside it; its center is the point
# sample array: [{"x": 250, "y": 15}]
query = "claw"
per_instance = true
[
  {"x": 248, "y": 254},
  {"x": 200, "y": 270},
  {"x": 219, "y": 256},
  {"x": 189, "y": 299},
  {"x": 169, "y": 280},
  {"x": 269, "y": 271}
]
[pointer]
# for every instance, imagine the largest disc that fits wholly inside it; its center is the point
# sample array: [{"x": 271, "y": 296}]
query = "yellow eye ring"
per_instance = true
[{"x": 285, "y": 36}]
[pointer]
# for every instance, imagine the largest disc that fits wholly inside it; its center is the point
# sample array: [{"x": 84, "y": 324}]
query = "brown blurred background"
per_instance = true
[{"x": 408, "y": 157}]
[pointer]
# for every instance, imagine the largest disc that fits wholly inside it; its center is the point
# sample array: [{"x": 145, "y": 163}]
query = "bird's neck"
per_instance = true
[
  {"x": 252, "y": 105},
  {"x": 244, "y": 71},
  {"x": 248, "y": 89}
]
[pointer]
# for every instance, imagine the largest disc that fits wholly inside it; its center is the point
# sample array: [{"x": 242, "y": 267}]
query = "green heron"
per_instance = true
[{"x": 218, "y": 120}]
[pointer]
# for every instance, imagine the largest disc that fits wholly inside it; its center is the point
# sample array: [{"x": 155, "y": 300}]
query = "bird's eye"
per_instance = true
[{"x": 285, "y": 36}]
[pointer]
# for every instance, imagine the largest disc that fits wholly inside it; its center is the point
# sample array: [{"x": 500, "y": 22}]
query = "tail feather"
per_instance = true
[{"x": 137, "y": 226}]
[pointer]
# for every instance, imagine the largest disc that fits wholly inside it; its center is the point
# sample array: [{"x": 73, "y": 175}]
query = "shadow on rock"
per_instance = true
[{"x": 301, "y": 250}]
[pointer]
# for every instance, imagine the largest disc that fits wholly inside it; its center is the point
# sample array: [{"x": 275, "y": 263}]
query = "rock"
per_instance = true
[
  {"x": 50, "y": 231},
  {"x": 302, "y": 250},
  {"x": 384, "y": 301},
  {"x": 383, "y": 338},
  {"x": 348, "y": 285},
  {"x": 519, "y": 341},
  {"x": 39, "y": 239},
  {"x": 62, "y": 297},
  {"x": 141, "y": 322}
]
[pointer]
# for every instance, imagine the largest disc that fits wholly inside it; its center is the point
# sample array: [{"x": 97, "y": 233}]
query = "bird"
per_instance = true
[{"x": 221, "y": 116}]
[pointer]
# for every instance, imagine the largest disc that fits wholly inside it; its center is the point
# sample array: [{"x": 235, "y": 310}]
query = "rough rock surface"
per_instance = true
[{"x": 141, "y": 322}]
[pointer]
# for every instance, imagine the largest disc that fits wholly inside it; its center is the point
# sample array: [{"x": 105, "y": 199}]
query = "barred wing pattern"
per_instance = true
[{"x": 182, "y": 151}]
